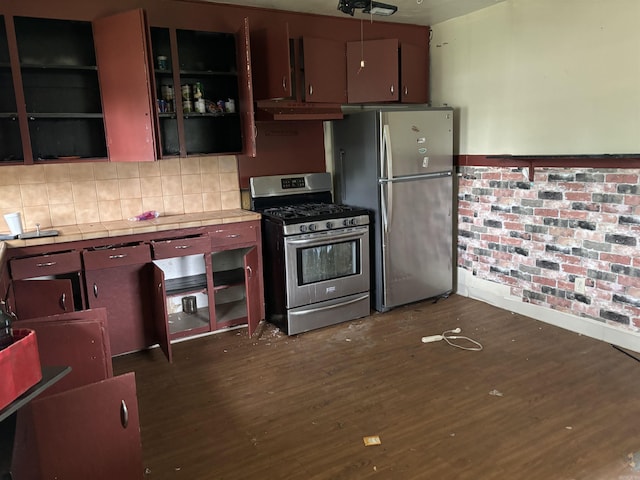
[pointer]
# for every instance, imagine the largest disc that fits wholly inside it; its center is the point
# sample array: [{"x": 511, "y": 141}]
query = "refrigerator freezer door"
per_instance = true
[
  {"x": 416, "y": 142},
  {"x": 417, "y": 241}
]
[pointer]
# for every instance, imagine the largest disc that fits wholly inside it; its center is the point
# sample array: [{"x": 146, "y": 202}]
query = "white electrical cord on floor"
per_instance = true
[{"x": 447, "y": 337}]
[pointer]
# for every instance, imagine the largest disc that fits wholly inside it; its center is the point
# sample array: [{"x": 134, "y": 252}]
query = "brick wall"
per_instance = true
[{"x": 540, "y": 237}]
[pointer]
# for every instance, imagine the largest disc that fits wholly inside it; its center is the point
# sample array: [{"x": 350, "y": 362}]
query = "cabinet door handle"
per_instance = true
[
  {"x": 113, "y": 257},
  {"x": 284, "y": 83},
  {"x": 233, "y": 235},
  {"x": 406, "y": 90},
  {"x": 95, "y": 290},
  {"x": 48, "y": 264},
  {"x": 392, "y": 89},
  {"x": 310, "y": 89},
  {"x": 182, "y": 247},
  {"x": 249, "y": 271},
  {"x": 124, "y": 414},
  {"x": 63, "y": 301}
]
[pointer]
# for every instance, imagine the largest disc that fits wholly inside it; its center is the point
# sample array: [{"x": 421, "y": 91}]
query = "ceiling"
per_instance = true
[{"x": 417, "y": 12}]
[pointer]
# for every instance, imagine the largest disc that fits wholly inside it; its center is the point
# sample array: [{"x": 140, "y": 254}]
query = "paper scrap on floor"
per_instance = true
[{"x": 371, "y": 440}]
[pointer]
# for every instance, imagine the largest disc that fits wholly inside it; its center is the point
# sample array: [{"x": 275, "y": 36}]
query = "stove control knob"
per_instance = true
[
  {"x": 350, "y": 221},
  {"x": 345, "y": 222},
  {"x": 303, "y": 228},
  {"x": 329, "y": 225},
  {"x": 313, "y": 227}
]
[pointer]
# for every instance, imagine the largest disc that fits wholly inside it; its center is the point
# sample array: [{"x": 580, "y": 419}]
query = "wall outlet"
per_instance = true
[{"x": 580, "y": 285}]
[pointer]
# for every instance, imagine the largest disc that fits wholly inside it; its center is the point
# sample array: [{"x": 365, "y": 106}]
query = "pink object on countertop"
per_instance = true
[{"x": 149, "y": 215}]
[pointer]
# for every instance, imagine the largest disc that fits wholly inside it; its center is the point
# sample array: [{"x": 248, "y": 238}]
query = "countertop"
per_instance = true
[{"x": 88, "y": 231}]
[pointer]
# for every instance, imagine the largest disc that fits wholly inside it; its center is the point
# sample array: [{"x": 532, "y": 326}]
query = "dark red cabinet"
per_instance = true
[
  {"x": 386, "y": 71},
  {"x": 122, "y": 52},
  {"x": 91, "y": 431},
  {"x": 372, "y": 71},
  {"x": 414, "y": 73},
  {"x": 118, "y": 279},
  {"x": 324, "y": 70},
  {"x": 54, "y": 279},
  {"x": 272, "y": 60}
]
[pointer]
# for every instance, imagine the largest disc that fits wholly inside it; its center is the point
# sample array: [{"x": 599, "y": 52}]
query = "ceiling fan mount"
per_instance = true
[{"x": 367, "y": 6}]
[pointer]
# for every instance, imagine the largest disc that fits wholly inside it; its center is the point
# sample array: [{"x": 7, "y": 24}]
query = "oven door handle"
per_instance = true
[
  {"x": 329, "y": 307},
  {"x": 323, "y": 239}
]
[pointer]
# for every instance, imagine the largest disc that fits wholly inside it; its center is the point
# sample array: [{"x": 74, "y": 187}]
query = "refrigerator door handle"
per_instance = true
[
  {"x": 383, "y": 207},
  {"x": 386, "y": 152},
  {"x": 387, "y": 160}
]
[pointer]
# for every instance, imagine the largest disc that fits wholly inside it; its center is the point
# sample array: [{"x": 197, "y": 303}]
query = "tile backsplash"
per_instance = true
[{"x": 69, "y": 194}]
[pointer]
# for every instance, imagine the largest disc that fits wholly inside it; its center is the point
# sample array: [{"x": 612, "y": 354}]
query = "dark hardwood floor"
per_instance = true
[{"x": 536, "y": 403}]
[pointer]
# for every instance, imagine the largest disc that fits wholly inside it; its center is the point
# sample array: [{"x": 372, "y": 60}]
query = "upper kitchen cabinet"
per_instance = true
[
  {"x": 372, "y": 71},
  {"x": 385, "y": 71},
  {"x": 273, "y": 63},
  {"x": 57, "y": 67},
  {"x": 208, "y": 86},
  {"x": 311, "y": 70},
  {"x": 414, "y": 73},
  {"x": 10, "y": 140},
  {"x": 324, "y": 70},
  {"x": 188, "y": 92}
]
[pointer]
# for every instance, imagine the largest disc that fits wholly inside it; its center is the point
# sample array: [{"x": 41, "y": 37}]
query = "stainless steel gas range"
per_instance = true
[{"x": 316, "y": 253}]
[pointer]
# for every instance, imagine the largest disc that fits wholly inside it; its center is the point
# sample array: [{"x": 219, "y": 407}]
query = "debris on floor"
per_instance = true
[
  {"x": 496, "y": 393},
  {"x": 371, "y": 440},
  {"x": 634, "y": 461}
]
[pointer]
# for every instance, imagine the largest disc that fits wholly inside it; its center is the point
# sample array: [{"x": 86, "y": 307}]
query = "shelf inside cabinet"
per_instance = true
[
  {"x": 230, "y": 311},
  {"x": 226, "y": 278},
  {"x": 185, "y": 323},
  {"x": 187, "y": 284}
]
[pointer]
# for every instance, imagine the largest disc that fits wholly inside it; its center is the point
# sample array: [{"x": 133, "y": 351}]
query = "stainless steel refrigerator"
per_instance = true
[{"x": 397, "y": 162}]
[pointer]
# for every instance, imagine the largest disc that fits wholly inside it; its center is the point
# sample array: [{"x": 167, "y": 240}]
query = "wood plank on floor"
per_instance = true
[{"x": 564, "y": 406}]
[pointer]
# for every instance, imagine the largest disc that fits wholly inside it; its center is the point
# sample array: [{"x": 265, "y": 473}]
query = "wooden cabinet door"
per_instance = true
[
  {"x": 245, "y": 89},
  {"x": 39, "y": 298},
  {"x": 414, "y": 73},
  {"x": 271, "y": 61},
  {"x": 325, "y": 70},
  {"x": 252, "y": 286},
  {"x": 122, "y": 54},
  {"x": 160, "y": 315},
  {"x": 77, "y": 339},
  {"x": 377, "y": 80},
  {"x": 124, "y": 291},
  {"x": 90, "y": 432}
]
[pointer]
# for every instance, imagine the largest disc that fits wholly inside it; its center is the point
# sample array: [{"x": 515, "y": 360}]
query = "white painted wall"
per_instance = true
[{"x": 542, "y": 77}]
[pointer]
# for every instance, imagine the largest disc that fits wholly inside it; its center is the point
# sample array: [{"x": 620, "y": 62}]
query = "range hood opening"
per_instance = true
[{"x": 291, "y": 110}]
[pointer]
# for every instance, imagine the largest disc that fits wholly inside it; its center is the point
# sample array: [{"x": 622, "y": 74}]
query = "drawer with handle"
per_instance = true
[
  {"x": 116, "y": 256},
  {"x": 233, "y": 234},
  {"x": 43, "y": 265},
  {"x": 180, "y": 247}
]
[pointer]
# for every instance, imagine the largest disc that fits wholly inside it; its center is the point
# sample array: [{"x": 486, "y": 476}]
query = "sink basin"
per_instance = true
[{"x": 38, "y": 234}]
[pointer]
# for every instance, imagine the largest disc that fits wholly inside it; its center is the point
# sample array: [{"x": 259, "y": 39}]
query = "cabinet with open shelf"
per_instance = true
[
  {"x": 186, "y": 294},
  {"x": 233, "y": 270},
  {"x": 61, "y": 90},
  {"x": 204, "y": 114},
  {"x": 10, "y": 144}
]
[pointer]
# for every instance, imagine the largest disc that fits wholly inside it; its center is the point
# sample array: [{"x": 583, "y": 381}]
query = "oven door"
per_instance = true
[{"x": 326, "y": 265}]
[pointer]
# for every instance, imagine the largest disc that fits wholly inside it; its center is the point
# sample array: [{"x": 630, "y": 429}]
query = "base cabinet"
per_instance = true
[
  {"x": 116, "y": 278},
  {"x": 91, "y": 431},
  {"x": 208, "y": 282},
  {"x": 155, "y": 288}
]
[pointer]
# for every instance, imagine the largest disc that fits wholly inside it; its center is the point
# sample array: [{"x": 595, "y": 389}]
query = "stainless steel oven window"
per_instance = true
[{"x": 328, "y": 262}]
